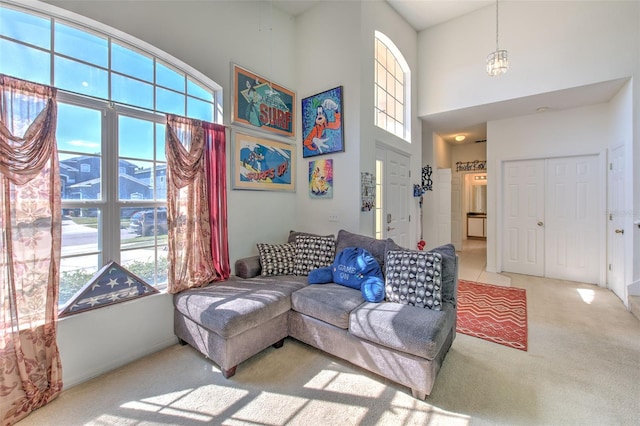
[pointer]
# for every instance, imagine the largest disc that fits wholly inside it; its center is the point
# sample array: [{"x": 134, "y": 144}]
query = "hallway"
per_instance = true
[{"x": 472, "y": 261}]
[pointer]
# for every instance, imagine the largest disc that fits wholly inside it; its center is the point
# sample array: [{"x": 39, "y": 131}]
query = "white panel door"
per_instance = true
[
  {"x": 443, "y": 208},
  {"x": 523, "y": 217},
  {"x": 456, "y": 211},
  {"x": 572, "y": 229},
  {"x": 615, "y": 230},
  {"x": 397, "y": 195}
]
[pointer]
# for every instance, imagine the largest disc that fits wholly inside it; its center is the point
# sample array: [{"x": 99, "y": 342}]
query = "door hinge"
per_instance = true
[
  {"x": 610, "y": 166},
  {"x": 409, "y": 218},
  {"x": 609, "y": 266}
]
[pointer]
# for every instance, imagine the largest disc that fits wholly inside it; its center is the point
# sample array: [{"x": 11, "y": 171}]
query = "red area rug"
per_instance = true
[{"x": 494, "y": 313}]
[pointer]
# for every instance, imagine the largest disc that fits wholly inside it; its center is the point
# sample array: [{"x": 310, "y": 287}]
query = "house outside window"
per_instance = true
[
  {"x": 392, "y": 100},
  {"x": 113, "y": 181}
]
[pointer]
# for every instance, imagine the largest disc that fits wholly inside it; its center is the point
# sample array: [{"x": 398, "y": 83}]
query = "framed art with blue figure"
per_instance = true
[{"x": 322, "y": 131}]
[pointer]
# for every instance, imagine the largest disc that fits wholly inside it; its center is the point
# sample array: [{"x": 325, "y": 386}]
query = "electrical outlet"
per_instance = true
[{"x": 333, "y": 218}]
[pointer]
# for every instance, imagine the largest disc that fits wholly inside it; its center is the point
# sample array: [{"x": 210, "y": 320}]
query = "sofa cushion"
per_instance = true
[
  {"x": 406, "y": 328},
  {"x": 313, "y": 252},
  {"x": 277, "y": 259},
  {"x": 414, "y": 278},
  {"x": 375, "y": 247},
  {"x": 330, "y": 303},
  {"x": 449, "y": 278},
  {"x": 230, "y": 307}
]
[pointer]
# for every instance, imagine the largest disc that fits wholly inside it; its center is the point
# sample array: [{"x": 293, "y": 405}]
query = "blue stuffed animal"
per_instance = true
[{"x": 356, "y": 268}]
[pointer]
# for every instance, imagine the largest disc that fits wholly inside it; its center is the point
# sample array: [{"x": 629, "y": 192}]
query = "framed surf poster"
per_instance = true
[
  {"x": 262, "y": 164},
  {"x": 262, "y": 104}
]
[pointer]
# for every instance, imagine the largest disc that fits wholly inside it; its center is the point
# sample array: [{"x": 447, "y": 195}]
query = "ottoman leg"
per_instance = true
[{"x": 278, "y": 344}]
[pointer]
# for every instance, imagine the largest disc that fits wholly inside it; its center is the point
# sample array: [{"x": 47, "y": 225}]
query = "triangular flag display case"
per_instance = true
[{"x": 110, "y": 285}]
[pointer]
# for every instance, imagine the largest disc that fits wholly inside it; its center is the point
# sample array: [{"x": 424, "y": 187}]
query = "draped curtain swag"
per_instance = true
[
  {"x": 190, "y": 232},
  {"x": 30, "y": 367}
]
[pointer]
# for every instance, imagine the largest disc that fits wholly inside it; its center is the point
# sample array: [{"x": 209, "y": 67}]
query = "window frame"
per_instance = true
[
  {"x": 109, "y": 247},
  {"x": 398, "y": 62}
]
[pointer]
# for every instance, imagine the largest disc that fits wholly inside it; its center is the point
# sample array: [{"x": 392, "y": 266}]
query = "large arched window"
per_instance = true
[
  {"x": 392, "y": 105},
  {"x": 113, "y": 93}
]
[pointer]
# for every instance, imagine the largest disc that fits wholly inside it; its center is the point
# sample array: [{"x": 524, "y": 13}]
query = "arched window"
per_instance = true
[
  {"x": 392, "y": 104},
  {"x": 113, "y": 93}
]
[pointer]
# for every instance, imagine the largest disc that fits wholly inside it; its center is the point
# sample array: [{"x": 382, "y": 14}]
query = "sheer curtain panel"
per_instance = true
[
  {"x": 30, "y": 367},
  {"x": 190, "y": 233}
]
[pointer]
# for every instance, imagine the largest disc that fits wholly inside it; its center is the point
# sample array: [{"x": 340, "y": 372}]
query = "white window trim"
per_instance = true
[{"x": 407, "y": 81}]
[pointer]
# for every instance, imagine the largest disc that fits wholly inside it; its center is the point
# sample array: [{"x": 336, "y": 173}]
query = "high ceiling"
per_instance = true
[{"x": 422, "y": 14}]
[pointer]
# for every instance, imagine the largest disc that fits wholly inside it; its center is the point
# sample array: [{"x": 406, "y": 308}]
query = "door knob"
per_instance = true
[
  {"x": 540, "y": 223},
  {"x": 619, "y": 231},
  {"x": 390, "y": 228}
]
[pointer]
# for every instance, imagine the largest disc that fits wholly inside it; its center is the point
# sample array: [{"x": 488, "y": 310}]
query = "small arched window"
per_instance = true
[{"x": 392, "y": 104}]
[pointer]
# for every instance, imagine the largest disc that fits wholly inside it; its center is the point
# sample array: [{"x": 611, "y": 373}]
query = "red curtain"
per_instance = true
[{"x": 216, "y": 172}]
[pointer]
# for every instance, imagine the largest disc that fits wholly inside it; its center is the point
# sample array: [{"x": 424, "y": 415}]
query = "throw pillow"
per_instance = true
[
  {"x": 277, "y": 259},
  {"x": 414, "y": 278},
  {"x": 313, "y": 252},
  {"x": 352, "y": 265}
]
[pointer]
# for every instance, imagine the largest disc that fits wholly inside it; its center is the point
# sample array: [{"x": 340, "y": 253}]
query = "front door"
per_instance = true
[{"x": 397, "y": 190}]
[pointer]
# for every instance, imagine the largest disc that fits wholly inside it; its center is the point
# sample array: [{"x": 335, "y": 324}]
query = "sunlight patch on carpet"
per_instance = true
[{"x": 494, "y": 313}]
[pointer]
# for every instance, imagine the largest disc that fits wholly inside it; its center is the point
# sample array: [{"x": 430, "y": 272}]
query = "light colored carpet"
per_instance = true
[{"x": 582, "y": 368}]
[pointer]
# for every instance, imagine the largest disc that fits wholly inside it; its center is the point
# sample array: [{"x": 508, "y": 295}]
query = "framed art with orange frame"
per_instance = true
[{"x": 261, "y": 104}]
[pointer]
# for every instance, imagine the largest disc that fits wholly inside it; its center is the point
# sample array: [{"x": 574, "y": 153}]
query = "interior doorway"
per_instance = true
[{"x": 468, "y": 208}]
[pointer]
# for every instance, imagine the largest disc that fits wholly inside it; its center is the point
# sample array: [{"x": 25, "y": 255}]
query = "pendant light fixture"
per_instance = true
[{"x": 498, "y": 61}]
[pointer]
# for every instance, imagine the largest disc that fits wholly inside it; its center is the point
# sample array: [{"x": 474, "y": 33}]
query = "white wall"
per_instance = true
[
  {"x": 335, "y": 46},
  {"x": 95, "y": 342},
  {"x": 578, "y": 131},
  {"x": 326, "y": 39},
  {"x": 553, "y": 45}
]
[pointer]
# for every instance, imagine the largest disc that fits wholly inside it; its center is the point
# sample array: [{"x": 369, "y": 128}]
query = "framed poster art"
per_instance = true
[
  {"x": 321, "y": 178},
  {"x": 262, "y": 164},
  {"x": 262, "y": 104},
  {"x": 322, "y": 131}
]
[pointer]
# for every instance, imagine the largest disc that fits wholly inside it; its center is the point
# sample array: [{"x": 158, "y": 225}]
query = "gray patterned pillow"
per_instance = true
[
  {"x": 313, "y": 252},
  {"x": 277, "y": 259},
  {"x": 414, "y": 278}
]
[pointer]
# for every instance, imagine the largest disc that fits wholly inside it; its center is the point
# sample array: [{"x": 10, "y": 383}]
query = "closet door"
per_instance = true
[
  {"x": 523, "y": 217},
  {"x": 573, "y": 230},
  {"x": 550, "y": 218}
]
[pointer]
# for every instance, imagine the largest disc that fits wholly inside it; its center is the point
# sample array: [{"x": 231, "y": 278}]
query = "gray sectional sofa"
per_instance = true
[{"x": 233, "y": 320}]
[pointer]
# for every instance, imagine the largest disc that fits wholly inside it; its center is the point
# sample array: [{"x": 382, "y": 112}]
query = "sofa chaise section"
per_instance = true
[{"x": 233, "y": 320}]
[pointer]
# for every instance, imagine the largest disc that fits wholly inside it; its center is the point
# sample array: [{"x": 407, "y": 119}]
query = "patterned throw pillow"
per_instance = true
[
  {"x": 277, "y": 259},
  {"x": 313, "y": 252},
  {"x": 414, "y": 278}
]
